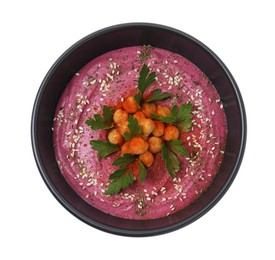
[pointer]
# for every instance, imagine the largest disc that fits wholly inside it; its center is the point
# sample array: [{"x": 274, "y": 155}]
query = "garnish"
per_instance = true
[
  {"x": 134, "y": 127},
  {"x": 104, "y": 148},
  {"x": 144, "y": 82},
  {"x": 123, "y": 161},
  {"x": 180, "y": 117},
  {"x": 100, "y": 122},
  {"x": 124, "y": 176},
  {"x": 157, "y": 96},
  {"x": 169, "y": 152},
  {"x": 120, "y": 179},
  {"x": 132, "y": 131},
  {"x": 142, "y": 171}
]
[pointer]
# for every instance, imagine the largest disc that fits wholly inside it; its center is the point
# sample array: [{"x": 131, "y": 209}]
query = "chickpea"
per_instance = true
[
  {"x": 155, "y": 144},
  {"x": 147, "y": 126},
  {"x": 130, "y": 105},
  {"x": 115, "y": 137},
  {"x": 159, "y": 129},
  {"x": 120, "y": 115},
  {"x": 123, "y": 127},
  {"x": 125, "y": 148},
  {"x": 139, "y": 116},
  {"x": 138, "y": 145},
  {"x": 148, "y": 108},
  {"x": 171, "y": 132},
  {"x": 147, "y": 158},
  {"x": 163, "y": 111}
]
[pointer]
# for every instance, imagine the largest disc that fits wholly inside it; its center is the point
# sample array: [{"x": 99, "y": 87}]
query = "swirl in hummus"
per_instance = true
[{"x": 108, "y": 80}]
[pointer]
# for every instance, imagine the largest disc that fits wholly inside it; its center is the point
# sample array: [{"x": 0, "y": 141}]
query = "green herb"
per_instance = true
[
  {"x": 123, "y": 177},
  {"x": 125, "y": 160},
  {"x": 100, "y": 122},
  {"x": 157, "y": 96},
  {"x": 169, "y": 152},
  {"x": 177, "y": 147},
  {"x": 134, "y": 127},
  {"x": 180, "y": 117},
  {"x": 104, "y": 148},
  {"x": 184, "y": 116},
  {"x": 142, "y": 171},
  {"x": 144, "y": 82},
  {"x": 120, "y": 179}
]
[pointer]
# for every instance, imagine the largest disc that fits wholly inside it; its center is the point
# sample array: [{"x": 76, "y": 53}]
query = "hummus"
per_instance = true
[{"x": 108, "y": 80}]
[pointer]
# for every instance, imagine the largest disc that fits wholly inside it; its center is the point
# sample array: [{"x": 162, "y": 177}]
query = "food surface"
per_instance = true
[{"x": 139, "y": 132}]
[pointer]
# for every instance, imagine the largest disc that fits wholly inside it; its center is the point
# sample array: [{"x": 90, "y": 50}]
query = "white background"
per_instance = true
[{"x": 33, "y": 225}]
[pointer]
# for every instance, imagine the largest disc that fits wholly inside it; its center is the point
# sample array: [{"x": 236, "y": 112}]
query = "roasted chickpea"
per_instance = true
[
  {"x": 125, "y": 148},
  {"x": 138, "y": 145},
  {"x": 139, "y": 116},
  {"x": 147, "y": 158},
  {"x": 163, "y": 111},
  {"x": 171, "y": 132},
  {"x": 147, "y": 126},
  {"x": 148, "y": 108},
  {"x": 155, "y": 144},
  {"x": 130, "y": 105},
  {"x": 159, "y": 129},
  {"x": 120, "y": 115},
  {"x": 115, "y": 137},
  {"x": 123, "y": 127}
]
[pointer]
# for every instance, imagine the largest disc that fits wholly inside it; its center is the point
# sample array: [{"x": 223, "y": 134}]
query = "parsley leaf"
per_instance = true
[
  {"x": 134, "y": 127},
  {"x": 144, "y": 81},
  {"x": 142, "y": 171},
  {"x": 138, "y": 98},
  {"x": 177, "y": 147},
  {"x": 157, "y": 96},
  {"x": 121, "y": 179},
  {"x": 170, "y": 150},
  {"x": 100, "y": 122},
  {"x": 184, "y": 117},
  {"x": 117, "y": 174},
  {"x": 123, "y": 161},
  {"x": 104, "y": 147},
  {"x": 180, "y": 117},
  {"x": 171, "y": 161}
]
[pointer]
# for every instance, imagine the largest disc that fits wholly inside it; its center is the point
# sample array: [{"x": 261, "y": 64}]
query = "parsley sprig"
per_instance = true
[
  {"x": 157, "y": 95},
  {"x": 102, "y": 122},
  {"x": 134, "y": 128},
  {"x": 120, "y": 179},
  {"x": 124, "y": 176},
  {"x": 180, "y": 117},
  {"x": 144, "y": 81},
  {"x": 104, "y": 148},
  {"x": 170, "y": 151}
]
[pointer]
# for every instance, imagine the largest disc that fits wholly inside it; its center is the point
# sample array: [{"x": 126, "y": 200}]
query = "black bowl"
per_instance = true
[{"x": 115, "y": 37}]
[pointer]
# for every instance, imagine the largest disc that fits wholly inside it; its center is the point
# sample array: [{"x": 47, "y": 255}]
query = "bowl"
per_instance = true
[{"x": 115, "y": 37}]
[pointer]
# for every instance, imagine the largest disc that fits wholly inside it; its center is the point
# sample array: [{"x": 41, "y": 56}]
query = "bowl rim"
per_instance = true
[{"x": 105, "y": 227}]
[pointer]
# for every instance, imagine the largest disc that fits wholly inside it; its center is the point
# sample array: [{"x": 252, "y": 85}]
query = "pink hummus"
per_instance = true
[{"x": 108, "y": 80}]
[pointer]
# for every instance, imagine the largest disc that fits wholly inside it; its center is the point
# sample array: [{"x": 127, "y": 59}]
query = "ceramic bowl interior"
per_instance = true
[{"x": 123, "y": 36}]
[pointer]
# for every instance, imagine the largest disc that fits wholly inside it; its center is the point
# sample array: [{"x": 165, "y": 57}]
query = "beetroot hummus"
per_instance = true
[{"x": 110, "y": 79}]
